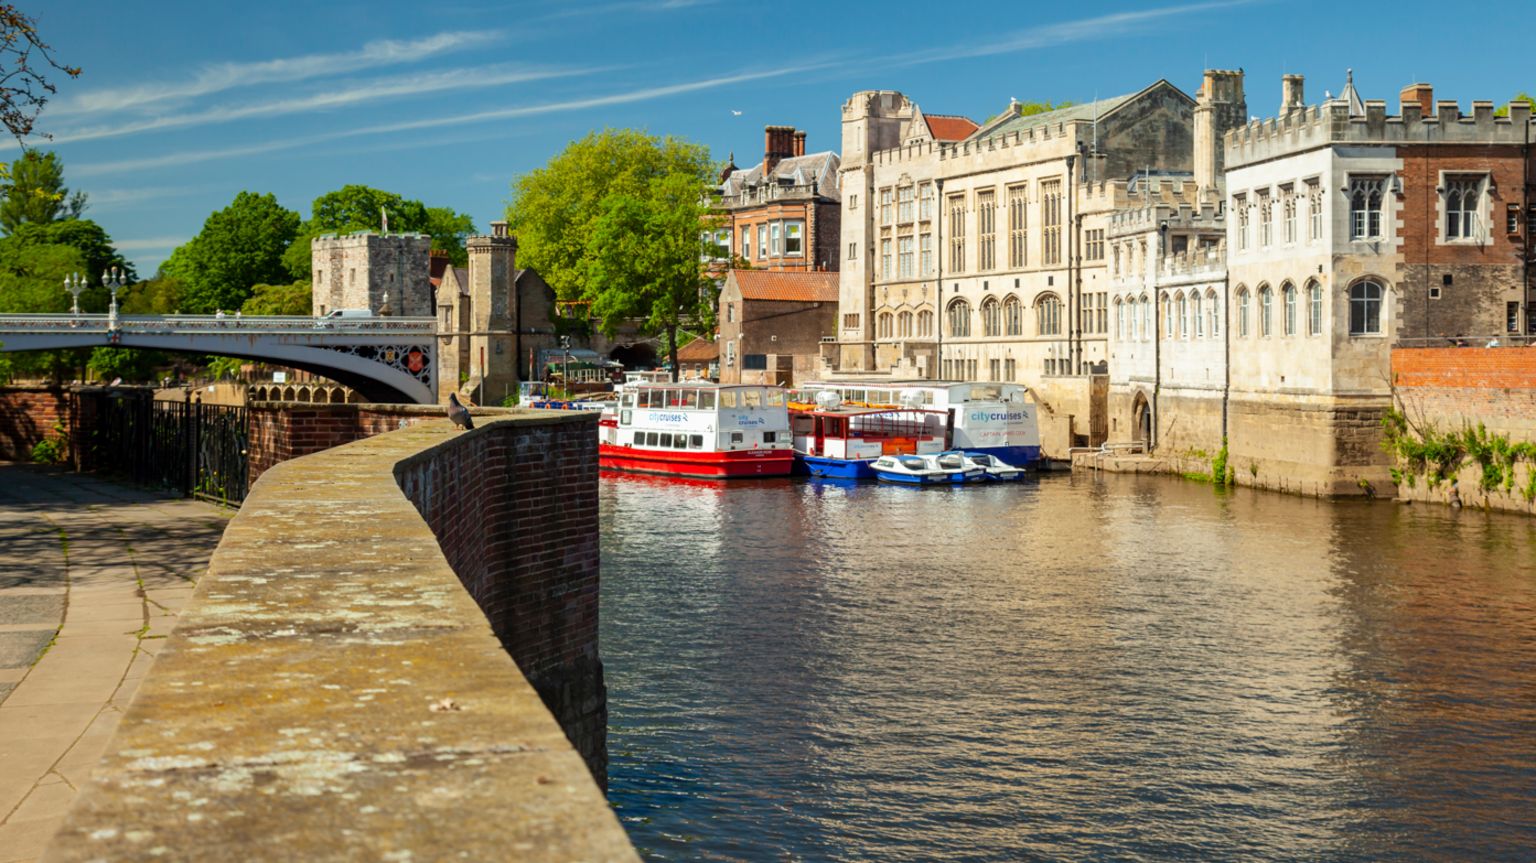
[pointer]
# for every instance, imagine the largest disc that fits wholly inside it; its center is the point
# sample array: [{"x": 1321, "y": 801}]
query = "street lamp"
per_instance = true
[
  {"x": 75, "y": 284},
  {"x": 112, "y": 280}
]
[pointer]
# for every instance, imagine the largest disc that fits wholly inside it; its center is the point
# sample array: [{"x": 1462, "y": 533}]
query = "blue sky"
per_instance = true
[{"x": 184, "y": 104}]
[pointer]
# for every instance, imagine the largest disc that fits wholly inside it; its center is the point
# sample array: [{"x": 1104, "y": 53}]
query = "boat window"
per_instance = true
[
  {"x": 985, "y": 394},
  {"x": 775, "y": 398},
  {"x": 629, "y": 401},
  {"x": 982, "y": 459},
  {"x": 950, "y": 461},
  {"x": 674, "y": 398},
  {"x": 666, "y": 440},
  {"x": 853, "y": 395},
  {"x": 707, "y": 400},
  {"x": 752, "y": 398},
  {"x": 625, "y": 417},
  {"x": 835, "y": 427},
  {"x": 645, "y": 398},
  {"x": 679, "y": 441},
  {"x": 735, "y": 437},
  {"x": 728, "y": 398},
  {"x": 690, "y": 398},
  {"x": 913, "y": 463},
  {"x": 770, "y": 437},
  {"x": 696, "y": 441}
]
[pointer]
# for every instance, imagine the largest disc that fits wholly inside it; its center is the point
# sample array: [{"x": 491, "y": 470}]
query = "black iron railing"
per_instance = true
[{"x": 196, "y": 449}]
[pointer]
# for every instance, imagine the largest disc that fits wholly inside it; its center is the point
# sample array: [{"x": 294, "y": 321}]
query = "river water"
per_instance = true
[{"x": 1084, "y": 667}]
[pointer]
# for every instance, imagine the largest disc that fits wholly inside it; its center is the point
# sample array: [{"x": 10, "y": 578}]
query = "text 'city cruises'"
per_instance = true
[{"x": 698, "y": 429}]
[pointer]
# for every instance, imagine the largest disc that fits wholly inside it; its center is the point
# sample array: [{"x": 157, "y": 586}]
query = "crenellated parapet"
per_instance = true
[{"x": 1332, "y": 123}]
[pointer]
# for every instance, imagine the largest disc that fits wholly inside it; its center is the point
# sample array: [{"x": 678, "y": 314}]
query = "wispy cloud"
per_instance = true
[
  {"x": 106, "y": 199},
  {"x": 331, "y": 99},
  {"x": 1065, "y": 32},
  {"x": 226, "y": 76},
  {"x": 627, "y": 97},
  {"x": 623, "y": 6}
]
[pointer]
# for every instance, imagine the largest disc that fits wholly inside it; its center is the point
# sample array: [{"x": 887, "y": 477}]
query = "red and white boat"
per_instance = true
[{"x": 697, "y": 429}]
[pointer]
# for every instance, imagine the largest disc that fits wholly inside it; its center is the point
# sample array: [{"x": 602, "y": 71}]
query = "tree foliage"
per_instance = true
[
  {"x": 24, "y": 84},
  {"x": 160, "y": 295},
  {"x": 291, "y": 299},
  {"x": 1522, "y": 96},
  {"x": 448, "y": 230},
  {"x": 1029, "y": 109},
  {"x": 616, "y": 219},
  {"x": 361, "y": 208},
  {"x": 36, "y": 192},
  {"x": 239, "y": 247}
]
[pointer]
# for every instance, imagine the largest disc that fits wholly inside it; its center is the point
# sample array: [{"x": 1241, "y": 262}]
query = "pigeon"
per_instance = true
[{"x": 458, "y": 413}]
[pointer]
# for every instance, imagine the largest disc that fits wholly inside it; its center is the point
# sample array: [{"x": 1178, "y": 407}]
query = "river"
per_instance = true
[{"x": 1083, "y": 667}]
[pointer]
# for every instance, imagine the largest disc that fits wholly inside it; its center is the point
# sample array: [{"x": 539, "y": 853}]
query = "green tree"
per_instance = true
[
  {"x": 555, "y": 208},
  {"x": 1029, "y": 109},
  {"x": 448, "y": 230},
  {"x": 131, "y": 364},
  {"x": 292, "y": 299},
  {"x": 361, "y": 208},
  {"x": 1522, "y": 96},
  {"x": 36, "y": 192},
  {"x": 32, "y": 282},
  {"x": 160, "y": 295},
  {"x": 239, "y": 246}
]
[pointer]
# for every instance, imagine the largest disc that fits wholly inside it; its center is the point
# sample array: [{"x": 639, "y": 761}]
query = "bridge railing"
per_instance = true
[{"x": 214, "y": 323}]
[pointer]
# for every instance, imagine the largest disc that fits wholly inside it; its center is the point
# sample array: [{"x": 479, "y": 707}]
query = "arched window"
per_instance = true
[
  {"x": 1365, "y": 308},
  {"x": 960, "y": 319},
  {"x": 883, "y": 325},
  {"x": 1214, "y": 304},
  {"x": 1119, "y": 319},
  {"x": 1314, "y": 309},
  {"x": 1266, "y": 311},
  {"x": 1288, "y": 290},
  {"x": 1183, "y": 304},
  {"x": 1048, "y": 315},
  {"x": 1168, "y": 331},
  {"x": 1013, "y": 317},
  {"x": 925, "y": 324},
  {"x": 991, "y": 317},
  {"x": 904, "y": 325},
  {"x": 1242, "y": 311},
  {"x": 1146, "y": 318},
  {"x": 1197, "y": 314}
]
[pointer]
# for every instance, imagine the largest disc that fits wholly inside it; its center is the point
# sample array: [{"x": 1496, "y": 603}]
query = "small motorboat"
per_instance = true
[
  {"x": 921, "y": 470},
  {"x": 993, "y": 468}
]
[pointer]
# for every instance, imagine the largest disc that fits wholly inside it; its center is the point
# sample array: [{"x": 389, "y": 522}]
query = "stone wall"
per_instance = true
[
  {"x": 28, "y": 415},
  {"x": 333, "y": 690}
]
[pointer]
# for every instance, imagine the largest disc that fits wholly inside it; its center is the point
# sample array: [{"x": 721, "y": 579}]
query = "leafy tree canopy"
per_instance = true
[
  {"x": 1029, "y": 109},
  {"x": 1522, "y": 96},
  {"x": 448, "y": 230},
  {"x": 292, "y": 299},
  {"x": 158, "y": 296},
  {"x": 239, "y": 246},
  {"x": 32, "y": 276},
  {"x": 36, "y": 193},
  {"x": 360, "y": 208}
]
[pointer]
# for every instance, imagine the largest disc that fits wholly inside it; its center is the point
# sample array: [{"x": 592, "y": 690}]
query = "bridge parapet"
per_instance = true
[
  {"x": 178, "y": 324},
  {"x": 340, "y": 687}
]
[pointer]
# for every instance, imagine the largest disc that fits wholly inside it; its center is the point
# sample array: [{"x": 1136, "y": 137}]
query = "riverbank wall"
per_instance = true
[{"x": 393, "y": 655}]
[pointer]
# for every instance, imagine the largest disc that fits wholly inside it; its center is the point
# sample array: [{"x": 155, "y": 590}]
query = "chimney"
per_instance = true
[
  {"x": 799, "y": 142},
  {"x": 778, "y": 144},
  {"x": 1421, "y": 94},
  {"x": 1291, "y": 94},
  {"x": 498, "y": 229}
]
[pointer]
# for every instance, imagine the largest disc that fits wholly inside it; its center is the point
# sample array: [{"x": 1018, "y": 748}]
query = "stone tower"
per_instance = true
[
  {"x": 493, "y": 312},
  {"x": 872, "y": 120},
  {"x": 1219, "y": 107},
  {"x": 358, "y": 271}
]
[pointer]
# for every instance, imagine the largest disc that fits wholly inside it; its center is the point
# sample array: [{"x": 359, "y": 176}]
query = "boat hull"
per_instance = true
[
  {"x": 732, "y": 464},
  {"x": 1022, "y": 457},
  {"x": 951, "y": 478},
  {"x": 834, "y": 468}
]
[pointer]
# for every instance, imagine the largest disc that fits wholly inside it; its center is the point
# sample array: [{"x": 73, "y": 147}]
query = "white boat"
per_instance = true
[
  {"x": 697, "y": 429},
  {"x": 921, "y": 470},
  {"x": 993, "y": 468}
]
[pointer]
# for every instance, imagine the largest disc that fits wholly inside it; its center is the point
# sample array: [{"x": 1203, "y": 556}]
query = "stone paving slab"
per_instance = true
[{"x": 91, "y": 569}]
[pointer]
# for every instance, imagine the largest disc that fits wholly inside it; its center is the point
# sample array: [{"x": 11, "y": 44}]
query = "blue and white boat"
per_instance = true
[
  {"x": 995, "y": 419},
  {"x": 993, "y": 468},
  {"x": 921, "y": 470},
  {"x": 836, "y": 442}
]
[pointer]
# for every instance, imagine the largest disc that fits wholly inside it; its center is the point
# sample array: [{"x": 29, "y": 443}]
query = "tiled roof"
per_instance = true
[
  {"x": 698, "y": 351},
  {"x": 949, "y": 127},
  {"x": 798, "y": 170},
  {"x": 786, "y": 287}
]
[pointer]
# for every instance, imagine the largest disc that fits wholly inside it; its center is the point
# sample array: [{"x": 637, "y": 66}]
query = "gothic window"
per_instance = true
[
  {"x": 1119, "y": 319},
  {"x": 1050, "y": 211},
  {"x": 1314, "y": 210},
  {"x": 1240, "y": 206},
  {"x": 1315, "y": 309},
  {"x": 957, "y": 234},
  {"x": 1013, "y": 317},
  {"x": 1103, "y": 313},
  {"x": 885, "y": 259},
  {"x": 1366, "y": 194},
  {"x": 960, "y": 319},
  {"x": 1266, "y": 311},
  {"x": 1266, "y": 219},
  {"x": 925, "y": 324},
  {"x": 991, "y": 317},
  {"x": 1018, "y": 223},
  {"x": 1215, "y": 311},
  {"x": 1288, "y": 291},
  {"x": 1242, "y": 311},
  {"x": 1463, "y": 207},
  {"x": 883, "y": 325},
  {"x": 1183, "y": 305},
  {"x": 904, "y": 256},
  {"x": 986, "y": 230},
  {"x": 1288, "y": 215},
  {"x": 1197, "y": 315},
  {"x": 1365, "y": 309},
  {"x": 1168, "y": 330},
  {"x": 1146, "y": 318},
  {"x": 904, "y": 325},
  {"x": 1048, "y": 315},
  {"x": 904, "y": 205},
  {"x": 925, "y": 244}
]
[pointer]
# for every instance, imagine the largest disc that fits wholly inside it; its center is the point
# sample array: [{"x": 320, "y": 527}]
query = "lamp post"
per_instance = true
[
  {"x": 75, "y": 284},
  {"x": 112, "y": 280}
]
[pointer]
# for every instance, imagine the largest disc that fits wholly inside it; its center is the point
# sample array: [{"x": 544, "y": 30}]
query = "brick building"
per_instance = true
[
  {"x": 772, "y": 325},
  {"x": 782, "y": 213}
]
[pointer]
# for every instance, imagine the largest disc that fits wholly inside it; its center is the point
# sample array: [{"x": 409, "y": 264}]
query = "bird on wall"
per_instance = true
[{"x": 458, "y": 413}]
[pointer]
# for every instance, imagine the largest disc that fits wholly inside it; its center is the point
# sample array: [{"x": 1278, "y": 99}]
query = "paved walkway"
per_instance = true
[{"x": 92, "y": 576}]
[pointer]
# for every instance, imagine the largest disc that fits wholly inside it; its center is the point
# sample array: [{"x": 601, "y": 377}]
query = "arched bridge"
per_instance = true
[{"x": 387, "y": 359}]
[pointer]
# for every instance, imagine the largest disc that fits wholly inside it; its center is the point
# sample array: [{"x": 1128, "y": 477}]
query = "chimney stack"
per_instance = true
[
  {"x": 1421, "y": 94},
  {"x": 799, "y": 142},
  {"x": 778, "y": 145},
  {"x": 1291, "y": 94}
]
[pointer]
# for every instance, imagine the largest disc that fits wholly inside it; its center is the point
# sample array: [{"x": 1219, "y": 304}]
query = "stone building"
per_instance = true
[
  {"x": 782, "y": 213},
  {"x": 772, "y": 325},
  {"x": 384, "y": 273},
  {"x": 1000, "y": 236}
]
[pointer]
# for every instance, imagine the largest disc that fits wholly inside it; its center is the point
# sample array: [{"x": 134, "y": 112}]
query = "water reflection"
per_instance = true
[{"x": 1085, "y": 667}]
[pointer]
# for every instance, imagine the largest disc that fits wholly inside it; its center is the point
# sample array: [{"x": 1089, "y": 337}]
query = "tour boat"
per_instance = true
[
  {"x": 993, "y": 468},
  {"x": 921, "y": 470},
  {"x": 838, "y": 442},
  {"x": 995, "y": 419},
  {"x": 697, "y": 429}
]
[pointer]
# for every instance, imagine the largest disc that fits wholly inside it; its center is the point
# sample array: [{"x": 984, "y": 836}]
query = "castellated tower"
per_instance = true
[
  {"x": 383, "y": 273},
  {"x": 872, "y": 120},
  {"x": 1219, "y": 106},
  {"x": 492, "y": 309}
]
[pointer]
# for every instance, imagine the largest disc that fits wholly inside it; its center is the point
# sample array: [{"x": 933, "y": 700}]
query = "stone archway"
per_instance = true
[
  {"x": 639, "y": 355},
  {"x": 1141, "y": 412}
]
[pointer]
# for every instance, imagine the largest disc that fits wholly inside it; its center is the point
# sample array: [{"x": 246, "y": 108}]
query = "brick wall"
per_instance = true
[
  {"x": 28, "y": 415},
  {"x": 515, "y": 513},
  {"x": 280, "y": 431}
]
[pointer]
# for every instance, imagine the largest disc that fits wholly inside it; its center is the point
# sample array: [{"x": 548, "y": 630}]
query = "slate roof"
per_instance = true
[
  {"x": 1085, "y": 111},
  {"x": 795, "y": 170},
  {"x": 699, "y": 351},
  {"x": 788, "y": 287},
  {"x": 950, "y": 127}
]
